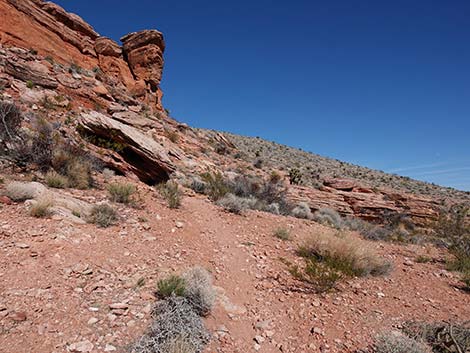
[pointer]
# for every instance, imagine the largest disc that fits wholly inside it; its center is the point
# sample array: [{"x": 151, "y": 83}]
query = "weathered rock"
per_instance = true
[
  {"x": 81, "y": 347},
  {"x": 144, "y": 157},
  {"x": 144, "y": 53},
  {"x": 34, "y": 72},
  {"x": 108, "y": 47}
]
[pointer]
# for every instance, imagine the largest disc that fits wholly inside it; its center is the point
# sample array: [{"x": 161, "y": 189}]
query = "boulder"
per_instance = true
[{"x": 147, "y": 159}]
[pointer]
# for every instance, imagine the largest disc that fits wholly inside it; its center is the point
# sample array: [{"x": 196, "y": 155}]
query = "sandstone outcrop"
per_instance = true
[
  {"x": 140, "y": 154},
  {"x": 48, "y": 29},
  {"x": 351, "y": 199}
]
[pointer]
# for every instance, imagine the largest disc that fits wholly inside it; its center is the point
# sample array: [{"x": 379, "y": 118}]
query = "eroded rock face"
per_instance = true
[
  {"x": 141, "y": 155},
  {"x": 65, "y": 37},
  {"x": 144, "y": 52},
  {"x": 351, "y": 199}
]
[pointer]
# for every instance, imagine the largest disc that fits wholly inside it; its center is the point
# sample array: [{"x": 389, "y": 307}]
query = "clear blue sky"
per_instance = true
[{"x": 383, "y": 84}]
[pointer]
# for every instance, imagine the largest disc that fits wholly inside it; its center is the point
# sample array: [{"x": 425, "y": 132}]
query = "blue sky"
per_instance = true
[{"x": 383, "y": 84}]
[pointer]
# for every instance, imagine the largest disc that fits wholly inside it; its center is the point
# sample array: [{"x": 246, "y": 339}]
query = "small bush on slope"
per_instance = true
[
  {"x": 329, "y": 258},
  {"x": 396, "y": 342},
  {"x": 41, "y": 208},
  {"x": 55, "y": 180},
  {"x": 328, "y": 217},
  {"x": 171, "y": 286},
  {"x": 199, "y": 290},
  {"x": 175, "y": 325},
  {"x": 121, "y": 192},
  {"x": 302, "y": 210},
  {"x": 282, "y": 233},
  {"x": 171, "y": 193},
  {"x": 236, "y": 204},
  {"x": 103, "y": 215}
]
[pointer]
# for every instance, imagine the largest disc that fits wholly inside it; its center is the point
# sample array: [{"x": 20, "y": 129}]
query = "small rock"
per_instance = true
[
  {"x": 92, "y": 321},
  {"x": 109, "y": 348},
  {"x": 80, "y": 347},
  {"x": 259, "y": 339},
  {"x": 22, "y": 245},
  {"x": 17, "y": 316},
  {"x": 179, "y": 224},
  {"x": 118, "y": 306}
]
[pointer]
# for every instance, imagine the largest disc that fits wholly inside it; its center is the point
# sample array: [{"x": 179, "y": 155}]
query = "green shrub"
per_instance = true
[
  {"x": 121, "y": 192},
  {"x": 329, "y": 217},
  {"x": 319, "y": 276},
  {"x": 103, "y": 215},
  {"x": 216, "y": 186},
  {"x": 282, "y": 233},
  {"x": 295, "y": 176},
  {"x": 171, "y": 286},
  {"x": 171, "y": 193},
  {"x": 55, "y": 180}
]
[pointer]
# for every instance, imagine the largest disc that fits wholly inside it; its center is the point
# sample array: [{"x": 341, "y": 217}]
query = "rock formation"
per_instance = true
[{"x": 48, "y": 29}]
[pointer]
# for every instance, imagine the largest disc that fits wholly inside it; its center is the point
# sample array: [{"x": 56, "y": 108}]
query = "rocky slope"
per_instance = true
[
  {"x": 68, "y": 286},
  {"x": 101, "y": 91}
]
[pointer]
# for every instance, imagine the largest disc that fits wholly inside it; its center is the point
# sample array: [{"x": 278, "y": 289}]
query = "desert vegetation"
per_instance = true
[
  {"x": 331, "y": 257},
  {"x": 177, "y": 317}
]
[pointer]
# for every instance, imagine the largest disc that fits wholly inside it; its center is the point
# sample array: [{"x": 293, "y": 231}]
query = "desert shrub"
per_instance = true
[
  {"x": 345, "y": 253},
  {"x": 236, "y": 204},
  {"x": 328, "y": 217},
  {"x": 321, "y": 277},
  {"x": 108, "y": 174},
  {"x": 20, "y": 191},
  {"x": 216, "y": 187},
  {"x": 74, "y": 164},
  {"x": 121, "y": 192},
  {"x": 171, "y": 286},
  {"x": 273, "y": 208},
  {"x": 302, "y": 210},
  {"x": 454, "y": 228},
  {"x": 198, "y": 186},
  {"x": 199, "y": 290},
  {"x": 282, "y": 233},
  {"x": 10, "y": 123},
  {"x": 295, "y": 176},
  {"x": 55, "y": 180},
  {"x": 171, "y": 193},
  {"x": 173, "y": 136},
  {"x": 175, "y": 325},
  {"x": 396, "y": 342},
  {"x": 42, "y": 143},
  {"x": 442, "y": 337},
  {"x": 258, "y": 163},
  {"x": 103, "y": 215},
  {"x": 41, "y": 208}
]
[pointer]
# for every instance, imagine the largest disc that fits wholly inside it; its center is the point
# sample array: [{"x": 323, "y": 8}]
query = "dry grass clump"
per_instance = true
[
  {"x": 215, "y": 185},
  {"x": 171, "y": 193},
  {"x": 18, "y": 191},
  {"x": 350, "y": 255},
  {"x": 55, "y": 180},
  {"x": 282, "y": 233},
  {"x": 177, "y": 324},
  {"x": 199, "y": 290},
  {"x": 396, "y": 342},
  {"x": 236, "y": 204},
  {"x": 121, "y": 192},
  {"x": 68, "y": 161},
  {"x": 103, "y": 215},
  {"x": 41, "y": 208},
  {"x": 330, "y": 258}
]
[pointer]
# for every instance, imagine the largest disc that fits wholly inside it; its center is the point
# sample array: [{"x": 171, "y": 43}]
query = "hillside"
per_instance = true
[
  {"x": 124, "y": 230},
  {"x": 315, "y": 169}
]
